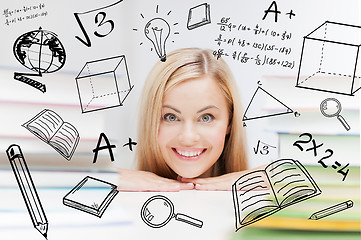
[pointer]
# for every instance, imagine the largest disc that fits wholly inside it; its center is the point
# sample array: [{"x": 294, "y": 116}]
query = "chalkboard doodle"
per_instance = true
[
  {"x": 40, "y": 51},
  {"x": 100, "y": 22},
  {"x": 323, "y": 50},
  {"x": 103, "y": 84},
  {"x": 157, "y": 31}
]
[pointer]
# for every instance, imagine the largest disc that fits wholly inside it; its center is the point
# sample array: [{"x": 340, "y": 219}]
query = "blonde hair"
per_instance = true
[{"x": 182, "y": 65}]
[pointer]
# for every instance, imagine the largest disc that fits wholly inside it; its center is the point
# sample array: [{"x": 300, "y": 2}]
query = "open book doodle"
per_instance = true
[
  {"x": 261, "y": 193},
  {"x": 50, "y": 127},
  {"x": 84, "y": 198}
]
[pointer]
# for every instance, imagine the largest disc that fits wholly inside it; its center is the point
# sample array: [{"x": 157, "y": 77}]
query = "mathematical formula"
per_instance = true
[{"x": 29, "y": 12}]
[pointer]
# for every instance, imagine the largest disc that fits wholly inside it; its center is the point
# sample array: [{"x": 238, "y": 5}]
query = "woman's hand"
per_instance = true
[
  {"x": 220, "y": 183},
  {"x": 134, "y": 180}
]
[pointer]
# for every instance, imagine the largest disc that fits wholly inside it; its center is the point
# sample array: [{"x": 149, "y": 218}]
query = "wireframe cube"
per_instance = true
[
  {"x": 330, "y": 59},
  {"x": 103, "y": 84}
]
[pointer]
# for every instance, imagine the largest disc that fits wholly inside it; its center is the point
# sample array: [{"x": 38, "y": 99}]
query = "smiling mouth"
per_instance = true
[{"x": 189, "y": 154}]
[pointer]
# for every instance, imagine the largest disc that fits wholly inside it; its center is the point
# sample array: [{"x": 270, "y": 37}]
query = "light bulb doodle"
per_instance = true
[{"x": 157, "y": 31}]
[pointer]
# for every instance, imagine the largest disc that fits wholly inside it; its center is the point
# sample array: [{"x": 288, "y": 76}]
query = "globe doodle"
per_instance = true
[{"x": 40, "y": 51}]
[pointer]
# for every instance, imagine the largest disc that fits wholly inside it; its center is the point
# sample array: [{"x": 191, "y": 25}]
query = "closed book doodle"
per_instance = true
[{"x": 91, "y": 195}]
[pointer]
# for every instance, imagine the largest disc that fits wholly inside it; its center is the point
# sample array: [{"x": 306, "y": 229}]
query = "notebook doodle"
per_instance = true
[
  {"x": 261, "y": 193},
  {"x": 50, "y": 128}
]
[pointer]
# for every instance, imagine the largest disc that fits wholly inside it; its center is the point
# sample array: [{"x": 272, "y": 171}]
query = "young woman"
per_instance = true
[{"x": 189, "y": 132}]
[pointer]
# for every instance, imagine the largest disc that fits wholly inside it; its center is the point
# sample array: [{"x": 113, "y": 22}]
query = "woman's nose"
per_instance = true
[{"x": 188, "y": 135}]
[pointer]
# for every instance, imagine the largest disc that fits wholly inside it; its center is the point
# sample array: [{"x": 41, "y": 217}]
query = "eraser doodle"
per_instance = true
[
  {"x": 50, "y": 128},
  {"x": 158, "y": 210},
  {"x": 83, "y": 198},
  {"x": 27, "y": 188},
  {"x": 261, "y": 193},
  {"x": 40, "y": 51},
  {"x": 322, "y": 51}
]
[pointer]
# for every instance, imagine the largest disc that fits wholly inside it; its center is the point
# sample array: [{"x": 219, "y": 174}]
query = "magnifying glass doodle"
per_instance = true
[
  {"x": 331, "y": 107},
  {"x": 158, "y": 210}
]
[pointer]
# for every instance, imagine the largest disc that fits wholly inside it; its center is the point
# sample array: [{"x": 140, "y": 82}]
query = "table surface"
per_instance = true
[{"x": 121, "y": 220}]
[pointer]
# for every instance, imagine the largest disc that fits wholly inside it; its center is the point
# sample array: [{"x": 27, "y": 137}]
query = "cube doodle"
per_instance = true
[
  {"x": 323, "y": 51},
  {"x": 103, "y": 84}
]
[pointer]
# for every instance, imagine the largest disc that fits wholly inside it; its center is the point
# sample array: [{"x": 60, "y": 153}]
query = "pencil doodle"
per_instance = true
[
  {"x": 27, "y": 188},
  {"x": 107, "y": 146},
  {"x": 261, "y": 193},
  {"x": 157, "y": 31},
  {"x": 198, "y": 16},
  {"x": 82, "y": 197},
  {"x": 50, "y": 128},
  {"x": 255, "y": 108},
  {"x": 99, "y": 21},
  {"x": 103, "y": 84},
  {"x": 40, "y": 51},
  {"x": 158, "y": 210},
  {"x": 331, "y": 107},
  {"x": 332, "y": 210},
  {"x": 130, "y": 143},
  {"x": 322, "y": 51}
]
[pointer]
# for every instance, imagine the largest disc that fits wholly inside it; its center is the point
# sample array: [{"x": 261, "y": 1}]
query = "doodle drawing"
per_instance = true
[
  {"x": 330, "y": 59},
  {"x": 41, "y": 52},
  {"x": 83, "y": 197},
  {"x": 331, "y": 107},
  {"x": 261, "y": 193},
  {"x": 50, "y": 128},
  {"x": 103, "y": 147},
  {"x": 198, "y": 16},
  {"x": 256, "y": 109},
  {"x": 331, "y": 210},
  {"x": 100, "y": 22},
  {"x": 27, "y": 188},
  {"x": 157, "y": 31},
  {"x": 158, "y": 210},
  {"x": 103, "y": 84}
]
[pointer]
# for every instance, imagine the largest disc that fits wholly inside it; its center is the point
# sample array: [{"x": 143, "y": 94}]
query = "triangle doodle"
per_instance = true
[{"x": 256, "y": 108}]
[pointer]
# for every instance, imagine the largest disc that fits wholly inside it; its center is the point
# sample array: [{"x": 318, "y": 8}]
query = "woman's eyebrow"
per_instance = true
[
  {"x": 206, "y": 108},
  {"x": 173, "y": 108}
]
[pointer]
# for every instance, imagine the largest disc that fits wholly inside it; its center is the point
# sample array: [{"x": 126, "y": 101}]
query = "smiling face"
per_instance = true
[{"x": 193, "y": 127}]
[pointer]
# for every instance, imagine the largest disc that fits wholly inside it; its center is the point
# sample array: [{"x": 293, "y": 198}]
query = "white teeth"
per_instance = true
[{"x": 189, "y": 154}]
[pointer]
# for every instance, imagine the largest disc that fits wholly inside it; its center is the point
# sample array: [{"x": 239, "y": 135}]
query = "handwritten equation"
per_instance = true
[
  {"x": 259, "y": 59},
  {"x": 305, "y": 139},
  {"x": 24, "y": 13},
  {"x": 260, "y": 50}
]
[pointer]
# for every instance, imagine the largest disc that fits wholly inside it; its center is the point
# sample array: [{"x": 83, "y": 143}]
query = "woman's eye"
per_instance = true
[
  {"x": 170, "y": 117},
  {"x": 207, "y": 118}
]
